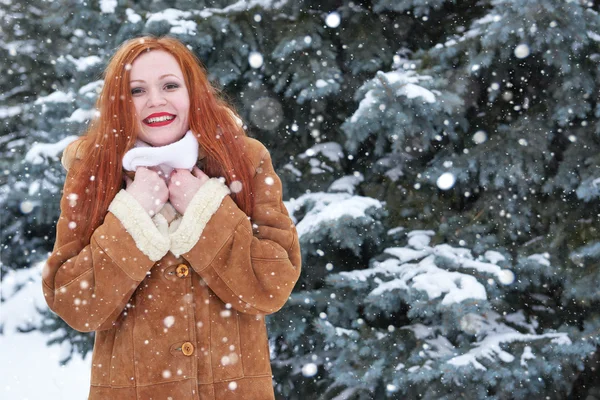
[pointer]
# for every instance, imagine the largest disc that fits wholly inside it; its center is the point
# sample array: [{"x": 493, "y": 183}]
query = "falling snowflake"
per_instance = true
[
  {"x": 169, "y": 321},
  {"x": 333, "y": 20},
  {"x": 235, "y": 186},
  {"x": 72, "y": 197},
  {"x": 522, "y": 51},
  {"x": 26, "y": 206},
  {"x": 479, "y": 137},
  {"x": 255, "y": 59},
  {"x": 506, "y": 277},
  {"x": 446, "y": 181},
  {"x": 309, "y": 370}
]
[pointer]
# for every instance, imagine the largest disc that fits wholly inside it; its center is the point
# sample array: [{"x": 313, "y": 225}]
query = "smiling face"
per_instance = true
[{"x": 160, "y": 98}]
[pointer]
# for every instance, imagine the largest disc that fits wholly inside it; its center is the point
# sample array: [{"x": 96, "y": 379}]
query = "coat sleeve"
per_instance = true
[
  {"x": 252, "y": 264},
  {"x": 89, "y": 285}
]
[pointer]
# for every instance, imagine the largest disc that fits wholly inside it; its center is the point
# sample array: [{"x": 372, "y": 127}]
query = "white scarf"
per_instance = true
[{"x": 181, "y": 154}]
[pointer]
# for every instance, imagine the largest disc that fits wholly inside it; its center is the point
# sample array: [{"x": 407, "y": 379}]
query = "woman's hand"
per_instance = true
[
  {"x": 183, "y": 185},
  {"x": 149, "y": 189}
]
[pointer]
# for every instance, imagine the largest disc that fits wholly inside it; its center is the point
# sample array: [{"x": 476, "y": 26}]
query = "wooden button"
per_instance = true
[
  {"x": 187, "y": 349},
  {"x": 182, "y": 270}
]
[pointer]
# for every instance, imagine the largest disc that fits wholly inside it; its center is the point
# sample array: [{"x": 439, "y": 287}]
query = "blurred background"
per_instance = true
[{"x": 440, "y": 159}]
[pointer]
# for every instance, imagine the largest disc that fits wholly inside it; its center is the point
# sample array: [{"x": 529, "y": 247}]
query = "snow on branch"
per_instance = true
[
  {"x": 91, "y": 89},
  {"x": 243, "y": 5},
  {"x": 7, "y": 112},
  {"x": 327, "y": 208},
  {"x": 39, "y": 152},
  {"x": 181, "y": 20},
  {"x": 80, "y": 115},
  {"x": 490, "y": 349},
  {"x": 346, "y": 183},
  {"x": 453, "y": 287},
  {"x": 430, "y": 275},
  {"x": 177, "y": 19},
  {"x": 464, "y": 260},
  {"x": 55, "y": 97},
  {"x": 421, "y": 276},
  {"x": 401, "y": 83},
  {"x": 82, "y": 63},
  {"x": 332, "y": 150},
  {"x": 108, "y": 6}
]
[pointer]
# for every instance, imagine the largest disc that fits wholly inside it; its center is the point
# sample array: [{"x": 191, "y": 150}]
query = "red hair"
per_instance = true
[{"x": 113, "y": 132}]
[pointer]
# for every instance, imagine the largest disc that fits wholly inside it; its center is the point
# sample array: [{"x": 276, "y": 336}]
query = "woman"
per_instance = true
[{"x": 173, "y": 263}]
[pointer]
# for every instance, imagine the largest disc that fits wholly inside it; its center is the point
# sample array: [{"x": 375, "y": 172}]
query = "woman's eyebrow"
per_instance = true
[{"x": 160, "y": 77}]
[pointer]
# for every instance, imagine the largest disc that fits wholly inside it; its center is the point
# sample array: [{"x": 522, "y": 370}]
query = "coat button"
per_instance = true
[
  {"x": 187, "y": 348},
  {"x": 182, "y": 270}
]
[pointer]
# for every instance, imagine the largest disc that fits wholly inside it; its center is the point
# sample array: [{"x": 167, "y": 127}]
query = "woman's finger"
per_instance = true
[{"x": 197, "y": 172}]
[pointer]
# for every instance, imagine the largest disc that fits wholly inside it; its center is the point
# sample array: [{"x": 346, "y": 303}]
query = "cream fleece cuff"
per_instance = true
[
  {"x": 149, "y": 234},
  {"x": 186, "y": 231}
]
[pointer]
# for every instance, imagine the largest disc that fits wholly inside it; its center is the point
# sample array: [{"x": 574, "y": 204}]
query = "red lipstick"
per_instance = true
[{"x": 163, "y": 119}]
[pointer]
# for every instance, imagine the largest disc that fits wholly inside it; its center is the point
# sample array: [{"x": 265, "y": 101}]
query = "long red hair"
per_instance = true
[{"x": 99, "y": 175}]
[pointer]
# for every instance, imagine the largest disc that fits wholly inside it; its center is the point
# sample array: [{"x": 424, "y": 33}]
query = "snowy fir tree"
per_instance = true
[{"x": 439, "y": 158}]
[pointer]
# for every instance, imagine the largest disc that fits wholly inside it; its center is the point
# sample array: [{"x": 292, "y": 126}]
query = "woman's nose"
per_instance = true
[{"x": 156, "y": 98}]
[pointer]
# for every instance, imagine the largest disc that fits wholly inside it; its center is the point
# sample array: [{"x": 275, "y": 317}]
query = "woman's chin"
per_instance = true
[{"x": 163, "y": 140}]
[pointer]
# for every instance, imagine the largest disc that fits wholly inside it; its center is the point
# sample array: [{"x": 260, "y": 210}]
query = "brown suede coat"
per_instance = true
[{"x": 178, "y": 309}]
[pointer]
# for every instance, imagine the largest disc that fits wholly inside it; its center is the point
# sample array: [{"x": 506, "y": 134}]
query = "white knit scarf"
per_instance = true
[{"x": 181, "y": 154}]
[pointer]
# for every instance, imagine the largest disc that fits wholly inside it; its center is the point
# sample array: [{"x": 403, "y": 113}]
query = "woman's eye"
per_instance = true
[
  {"x": 171, "y": 86},
  {"x": 135, "y": 91}
]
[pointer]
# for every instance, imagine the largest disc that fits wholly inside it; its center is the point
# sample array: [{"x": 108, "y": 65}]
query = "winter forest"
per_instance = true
[{"x": 440, "y": 159}]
